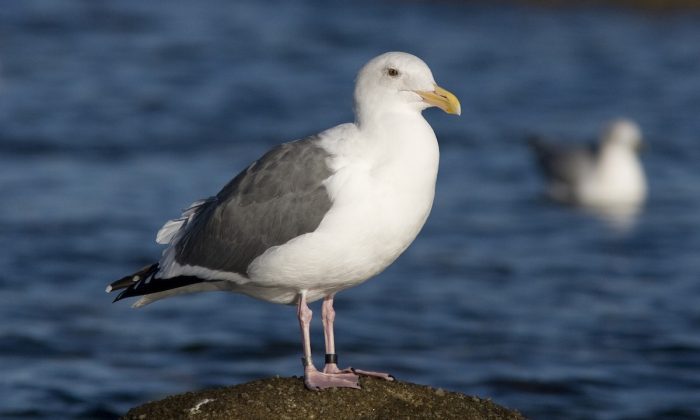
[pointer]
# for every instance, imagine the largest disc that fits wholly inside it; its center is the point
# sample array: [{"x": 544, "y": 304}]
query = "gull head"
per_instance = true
[
  {"x": 624, "y": 133},
  {"x": 399, "y": 82}
]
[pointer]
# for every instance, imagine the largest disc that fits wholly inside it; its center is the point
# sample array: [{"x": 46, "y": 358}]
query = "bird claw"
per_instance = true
[
  {"x": 315, "y": 380},
  {"x": 380, "y": 375},
  {"x": 332, "y": 368}
]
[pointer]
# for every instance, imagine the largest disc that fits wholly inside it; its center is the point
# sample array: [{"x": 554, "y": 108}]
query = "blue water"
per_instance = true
[{"x": 115, "y": 115}]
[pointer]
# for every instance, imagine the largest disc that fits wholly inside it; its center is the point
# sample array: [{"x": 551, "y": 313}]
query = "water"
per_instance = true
[{"x": 115, "y": 115}]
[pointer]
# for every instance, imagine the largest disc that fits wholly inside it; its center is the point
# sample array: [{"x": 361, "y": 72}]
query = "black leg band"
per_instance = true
[{"x": 331, "y": 358}]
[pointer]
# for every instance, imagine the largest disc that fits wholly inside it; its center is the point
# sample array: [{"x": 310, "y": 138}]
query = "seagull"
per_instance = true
[
  {"x": 607, "y": 176},
  {"x": 315, "y": 216}
]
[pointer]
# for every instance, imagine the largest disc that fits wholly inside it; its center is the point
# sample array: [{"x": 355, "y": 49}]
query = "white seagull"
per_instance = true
[
  {"x": 314, "y": 216},
  {"x": 607, "y": 177}
]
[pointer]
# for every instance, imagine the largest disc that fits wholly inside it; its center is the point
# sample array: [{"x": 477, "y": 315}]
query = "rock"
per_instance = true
[{"x": 286, "y": 398}]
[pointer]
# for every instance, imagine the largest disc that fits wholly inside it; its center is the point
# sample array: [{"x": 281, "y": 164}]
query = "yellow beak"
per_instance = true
[{"x": 442, "y": 99}]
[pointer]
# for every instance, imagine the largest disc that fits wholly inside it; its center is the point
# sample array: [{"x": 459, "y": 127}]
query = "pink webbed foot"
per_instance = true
[
  {"x": 332, "y": 368},
  {"x": 315, "y": 380}
]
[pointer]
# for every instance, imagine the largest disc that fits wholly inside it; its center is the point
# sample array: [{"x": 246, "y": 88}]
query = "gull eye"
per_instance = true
[{"x": 392, "y": 72}]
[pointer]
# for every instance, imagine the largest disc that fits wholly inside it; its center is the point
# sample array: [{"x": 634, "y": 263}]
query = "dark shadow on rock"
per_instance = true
[{"x": 286, "y": 398}]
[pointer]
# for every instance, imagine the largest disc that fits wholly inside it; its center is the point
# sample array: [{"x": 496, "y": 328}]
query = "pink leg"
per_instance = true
[
  {"x": 328, "y": 315},
  {"x": 313, "y": 379}
]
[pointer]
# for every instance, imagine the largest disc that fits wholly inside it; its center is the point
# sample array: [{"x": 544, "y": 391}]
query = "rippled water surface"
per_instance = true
[{"x": 115, "y": 115}]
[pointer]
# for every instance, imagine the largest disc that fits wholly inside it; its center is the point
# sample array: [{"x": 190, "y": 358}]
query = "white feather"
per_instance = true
[{"x": 167, "y": 233}]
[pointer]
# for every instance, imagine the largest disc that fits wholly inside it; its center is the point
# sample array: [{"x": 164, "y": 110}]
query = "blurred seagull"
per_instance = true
[
  {"x": 607, "y": 176},
  {"x": 314, "y": 216}
]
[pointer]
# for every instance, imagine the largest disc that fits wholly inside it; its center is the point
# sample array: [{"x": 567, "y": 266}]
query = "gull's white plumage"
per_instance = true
[
  {"x": 379, "y": 189},
  {"x": 610, "y": 177},
  {"x": 382, "y": 194},
  {"x": 618, "y": 178}
]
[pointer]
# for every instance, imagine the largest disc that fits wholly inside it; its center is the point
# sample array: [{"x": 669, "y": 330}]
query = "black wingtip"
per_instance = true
[
  {"x": 120, "y": 296},
  {"x": 128, "y": 281},
  {"x": 151, "y": 284}
]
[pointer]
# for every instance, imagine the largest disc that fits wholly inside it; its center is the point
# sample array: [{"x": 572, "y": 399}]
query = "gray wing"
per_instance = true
[
  {"x": 565, "y": 164},
  {"x": 277, "y": 198}
]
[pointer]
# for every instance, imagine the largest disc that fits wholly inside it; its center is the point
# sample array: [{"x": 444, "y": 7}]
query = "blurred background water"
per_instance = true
[{"x": 115, "y": 115}]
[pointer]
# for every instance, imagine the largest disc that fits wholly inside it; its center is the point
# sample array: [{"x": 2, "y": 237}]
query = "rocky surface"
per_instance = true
[{"x": 286, "y": 398}]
